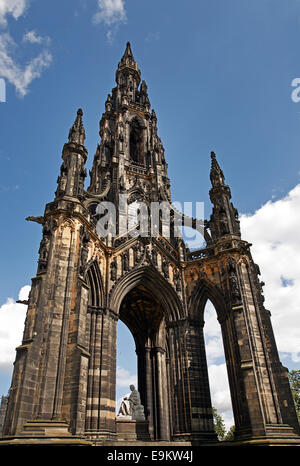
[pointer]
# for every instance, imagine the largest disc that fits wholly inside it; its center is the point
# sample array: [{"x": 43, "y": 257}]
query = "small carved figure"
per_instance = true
[
  {"x": 113, "y": 270},
  {"x": 84, "y": 251},
  {"x": 165, "y": 268},
  {"x": 125, "y": 262},
  {"x": 176, "y": 279},
  {"x": 154, "y": 256},
  {"x": 44, "y": 252},
  {"x": 234, "y": 284}
]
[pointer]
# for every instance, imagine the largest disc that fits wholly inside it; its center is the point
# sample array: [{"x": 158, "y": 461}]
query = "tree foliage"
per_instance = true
[
  {"x": 219, "y": 425},
  {"x": 294, "y": 378},
  {"x": 230, "y": 434}
]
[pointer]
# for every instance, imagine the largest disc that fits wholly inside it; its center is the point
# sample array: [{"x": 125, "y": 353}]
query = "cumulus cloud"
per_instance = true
[
  {"x": 220, "y": 393},
  {"x": 12, "y": 318},
  {"x": 34, "y": 38},
  {"x": 124, "y": 378},
  {"x": 15, "y": 8},
  {"x": 20, "y": 77},
  {"x": 111, "y": 13},
  {"x": 274, "y": 232}
]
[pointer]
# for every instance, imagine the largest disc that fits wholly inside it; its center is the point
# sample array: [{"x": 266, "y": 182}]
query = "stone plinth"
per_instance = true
[{"x": 128, "y": 429}]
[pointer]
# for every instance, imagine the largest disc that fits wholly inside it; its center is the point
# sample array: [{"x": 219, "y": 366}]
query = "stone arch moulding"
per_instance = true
[
  {"x": 204, "y": 291},
  {"x": 153, "y": 280},
  {"x": 94, "y": 279}
]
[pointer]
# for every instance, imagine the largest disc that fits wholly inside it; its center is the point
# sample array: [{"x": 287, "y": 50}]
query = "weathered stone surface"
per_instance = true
[{"x": 65, "y": 368}]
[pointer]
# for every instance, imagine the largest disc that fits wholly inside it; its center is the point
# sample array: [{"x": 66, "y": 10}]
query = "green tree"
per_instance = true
[
  {"x": 294, "y": 378},
  {"x": 230, "y": 433},
  {"x": 219, "y": 425}
]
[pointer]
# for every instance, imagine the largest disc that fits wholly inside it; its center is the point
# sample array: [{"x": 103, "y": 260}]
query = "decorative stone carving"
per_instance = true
[
  {"x": 125, "y": 260},
  {"x": 233, "y": 282},
  {"x": 113, "y": 270},
  {"x": 138, "y": 251},
  {"x": 84, "y": 251},
  {"x": 154, "y": 256},
  {"x": 176, "y": 279},
  {"x": 49, "y": 226},
  {"x": 165, "y": 268},
  {"x": 44, "y": 252}
]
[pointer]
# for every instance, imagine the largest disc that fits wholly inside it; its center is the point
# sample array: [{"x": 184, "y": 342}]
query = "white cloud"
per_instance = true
[
  {"x": 15, "y": 8},
  {"x": 34, "y": 38},
  {"x": 12, "y": 318},
  {"x": 110, "y": 12},
  {"x": 220, "y": 394},
  {"x": 274, "y": 232},
  {"x": 20, "y": 77},
  {"x": 124, "y": 378}
]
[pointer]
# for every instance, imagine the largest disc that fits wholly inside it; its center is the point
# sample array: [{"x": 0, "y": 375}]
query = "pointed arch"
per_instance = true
[
  {"x": 154, "y": 282},
  {"x": 204, "y": 291},
  {"x": 94, "y": 279}
]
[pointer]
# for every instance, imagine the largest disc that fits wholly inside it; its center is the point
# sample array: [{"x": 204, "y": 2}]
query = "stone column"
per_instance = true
[
  {"x": 149, "y": 391},
  {"x": 100, "y": 415},
  {"x": 251, "y": 377},
  {"x": 180, "y": 405},
  {"x": 162, "y": 395},
  {"x": 202, "y": 428}
]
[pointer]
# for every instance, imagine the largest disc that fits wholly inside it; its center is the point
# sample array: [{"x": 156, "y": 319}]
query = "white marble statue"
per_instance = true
[{"x": 131, "y": 407}]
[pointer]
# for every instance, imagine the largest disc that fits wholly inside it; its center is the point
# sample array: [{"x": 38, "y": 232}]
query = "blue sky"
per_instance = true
[{"x": 219, "y": 76}]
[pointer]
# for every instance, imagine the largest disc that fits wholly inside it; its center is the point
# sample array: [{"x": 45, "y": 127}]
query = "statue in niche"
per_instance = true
[
  {"x": 131, "y": 407},
  {"x": 44, "y": 252},
  {"x": 84, "y": 251},
  {"x": 224, "y": 228},
  {"x": 49, "y": 226},
  {"x": 154, "y": 256},
  {"x": 125, "y": 262},
  {"x": 113, "y": 270},
  {"x": 176, "y": 279},
  {"x": 121, "y": 138},
  {"x": 233, "y": 282},
  {"x": 165, "y": 268},
  {"x": 138, "y": 253},
  {"x": 82, "y": 176}
]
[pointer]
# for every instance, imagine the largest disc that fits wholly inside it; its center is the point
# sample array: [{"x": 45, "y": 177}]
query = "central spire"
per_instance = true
[
  {"x": 128, "y": 66},
  {"x": 128, "y": 52}
]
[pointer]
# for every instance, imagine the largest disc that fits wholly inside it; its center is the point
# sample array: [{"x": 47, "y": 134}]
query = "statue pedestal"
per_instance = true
[{"x": 129, "y": 429}]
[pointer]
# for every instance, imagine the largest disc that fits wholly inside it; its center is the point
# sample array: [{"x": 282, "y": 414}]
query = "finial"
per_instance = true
[
  {"x": 128, "y": 52},
  {"x": 77, "y": 133},
  {"x": 216, "y": 173}
]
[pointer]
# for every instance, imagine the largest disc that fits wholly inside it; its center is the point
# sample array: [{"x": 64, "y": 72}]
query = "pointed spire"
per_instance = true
[
  {"x": 216, "y": 174},
  {"x": 128, "y": 62},
  {"x": 128, "y": 52},
  {"x": 77, "y": 133},
  {"x": 224, "y": 218}
]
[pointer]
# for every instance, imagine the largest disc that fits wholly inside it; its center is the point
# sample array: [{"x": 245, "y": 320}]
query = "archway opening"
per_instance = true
[
  {"x": 126, "y": 363},
  {"x": 217, "y": 370},
  {"x": 142, "y": 313}
]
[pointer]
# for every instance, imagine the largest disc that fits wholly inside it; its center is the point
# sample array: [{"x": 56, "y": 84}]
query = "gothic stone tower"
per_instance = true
[{"x": 65, "y": 368}]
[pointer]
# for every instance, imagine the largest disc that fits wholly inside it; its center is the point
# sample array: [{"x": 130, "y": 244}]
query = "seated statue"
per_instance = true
[{"x": 131, "y": 406}]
